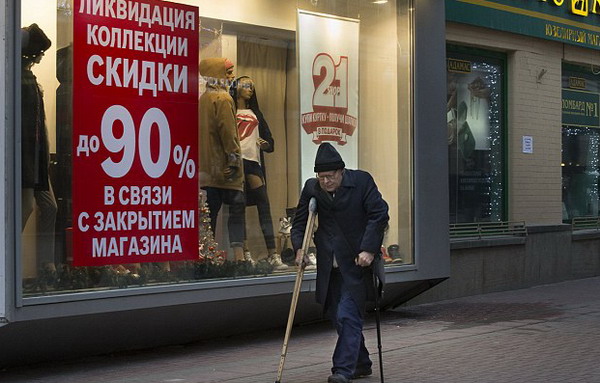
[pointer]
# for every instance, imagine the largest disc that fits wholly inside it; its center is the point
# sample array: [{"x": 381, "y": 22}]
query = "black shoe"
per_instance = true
[
  {"x": 337, "y": 378},
  {"x": 362, "y": 372}
]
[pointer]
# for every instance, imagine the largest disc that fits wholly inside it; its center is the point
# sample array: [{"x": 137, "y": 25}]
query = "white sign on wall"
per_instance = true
[
  {"x": 527, "y": 144},
  {"x": 328, "y": 69}
]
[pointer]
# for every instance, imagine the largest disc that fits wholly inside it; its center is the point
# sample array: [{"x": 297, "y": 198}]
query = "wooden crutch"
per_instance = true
[{"x": 312, "y": 213}]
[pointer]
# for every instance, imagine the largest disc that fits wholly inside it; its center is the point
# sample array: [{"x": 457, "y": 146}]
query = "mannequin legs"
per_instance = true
[
  {"x": 215, "y": 198},
  {"x": 264, "y": 216},
  {"x": 46, "y": 221}
]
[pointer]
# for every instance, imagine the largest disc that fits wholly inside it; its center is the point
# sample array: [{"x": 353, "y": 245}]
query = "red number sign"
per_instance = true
[{"x": 135, "y": 132}]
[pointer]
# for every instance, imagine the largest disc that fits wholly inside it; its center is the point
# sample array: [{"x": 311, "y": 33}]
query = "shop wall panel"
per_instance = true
[
  {"x": 534, "y": 109},
  {"x": 503, "y": 268},
  {"x": 549, "y": 254},
  {"x": 73, "y": 337},
  {"x": 585, "y": 262}
]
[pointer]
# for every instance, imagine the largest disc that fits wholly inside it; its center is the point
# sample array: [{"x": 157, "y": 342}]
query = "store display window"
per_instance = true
[
  {"x": 476, "y": 130},
  {"x": 167, "y": 142},
  {"x": 580, "y": 141}
]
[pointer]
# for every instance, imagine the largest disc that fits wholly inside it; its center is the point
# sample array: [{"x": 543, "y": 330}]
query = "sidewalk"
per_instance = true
[{"x": 543, "y": 334}]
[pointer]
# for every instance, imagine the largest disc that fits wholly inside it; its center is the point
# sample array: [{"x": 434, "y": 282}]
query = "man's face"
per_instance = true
[{"x": 331, "y": 180}]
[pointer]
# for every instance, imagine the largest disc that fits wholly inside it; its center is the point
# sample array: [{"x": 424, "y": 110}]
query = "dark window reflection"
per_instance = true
[{"x": 474, "y": 123}]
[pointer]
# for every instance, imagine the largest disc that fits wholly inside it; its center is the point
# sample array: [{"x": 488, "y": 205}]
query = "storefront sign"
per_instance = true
[
  {"x": 135, "y": 132},
  {"x": 458, "y": 66},
  {"x": 577, "y": 83},
  {"x": 328, "y": 57},
  {"x": 580, "y": 108},
  {"x": 575, "y": 22}
]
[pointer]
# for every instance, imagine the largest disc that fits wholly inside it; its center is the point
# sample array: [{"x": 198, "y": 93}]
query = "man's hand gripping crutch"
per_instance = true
[{"x": 312, "y": 213}]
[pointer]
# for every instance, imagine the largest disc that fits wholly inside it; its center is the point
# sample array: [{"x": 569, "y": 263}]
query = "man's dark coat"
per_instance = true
[{"x": 352, "y": 221}]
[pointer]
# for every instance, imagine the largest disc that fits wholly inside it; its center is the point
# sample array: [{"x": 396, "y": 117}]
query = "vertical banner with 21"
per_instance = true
[{"x": 328, "y": 48}]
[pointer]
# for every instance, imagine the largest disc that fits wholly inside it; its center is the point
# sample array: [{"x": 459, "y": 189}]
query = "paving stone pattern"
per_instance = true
[{"x": 543, "y": 334}]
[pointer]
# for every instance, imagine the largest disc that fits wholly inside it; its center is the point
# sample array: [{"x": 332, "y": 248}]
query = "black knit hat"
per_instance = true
[
  {"x": 34, "y": 41},
  {"x": 328, "y": 159}
]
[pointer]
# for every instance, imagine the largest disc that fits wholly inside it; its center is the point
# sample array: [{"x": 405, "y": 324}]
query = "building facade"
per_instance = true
[
  {"x": 148, "y": 195},
  {"x": 522, "y": 92},
  {"x": 109, "y": 228}
]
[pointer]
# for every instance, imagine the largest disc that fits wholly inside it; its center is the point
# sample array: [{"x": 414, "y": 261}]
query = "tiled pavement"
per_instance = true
[{"x": 543, "y": 334}]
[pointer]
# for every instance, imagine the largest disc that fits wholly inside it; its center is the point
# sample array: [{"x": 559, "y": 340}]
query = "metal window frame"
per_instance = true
[{"x": 430, "y": 225}]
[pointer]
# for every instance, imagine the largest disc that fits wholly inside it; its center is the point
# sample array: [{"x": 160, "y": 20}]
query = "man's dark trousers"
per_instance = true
[{"x": 350, "y": 351}]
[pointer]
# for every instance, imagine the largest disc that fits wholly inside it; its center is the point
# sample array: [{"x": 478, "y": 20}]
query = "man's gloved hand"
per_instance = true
[
  {"x": 301, "y": 258},
  {"x": 364, "y": 259}
]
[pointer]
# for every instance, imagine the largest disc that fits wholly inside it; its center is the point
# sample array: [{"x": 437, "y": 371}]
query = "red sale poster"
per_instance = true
[{"x": 135, "y": 132}]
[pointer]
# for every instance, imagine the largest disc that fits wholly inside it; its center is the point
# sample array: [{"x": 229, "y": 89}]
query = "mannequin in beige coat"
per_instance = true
[{"x": 220, "y": 162}]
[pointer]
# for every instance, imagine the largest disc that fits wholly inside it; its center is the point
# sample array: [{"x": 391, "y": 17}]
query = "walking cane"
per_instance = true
[
  {"x": 378, "y": 291},
  {"x": 312, "y": 211}
]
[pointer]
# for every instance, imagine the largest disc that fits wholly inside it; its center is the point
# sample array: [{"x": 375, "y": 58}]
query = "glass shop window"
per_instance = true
[
  {"x": 167, "y": 142},
  {"x": 580, "y": 141},
  {"x": 475, "y": 123}
]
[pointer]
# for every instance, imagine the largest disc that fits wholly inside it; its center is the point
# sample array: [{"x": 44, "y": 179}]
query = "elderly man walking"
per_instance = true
[{"x": 352, "y": 219}]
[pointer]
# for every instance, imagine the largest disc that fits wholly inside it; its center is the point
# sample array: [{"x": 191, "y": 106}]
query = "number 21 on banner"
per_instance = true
[{"x": 331, "y": 81}]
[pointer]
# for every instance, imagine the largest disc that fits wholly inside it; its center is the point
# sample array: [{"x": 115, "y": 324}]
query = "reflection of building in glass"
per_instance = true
[
  {"x": 474, "y": 113},
  {"x": 580, "y": 142},
  {"x": 581, "y": 171}
]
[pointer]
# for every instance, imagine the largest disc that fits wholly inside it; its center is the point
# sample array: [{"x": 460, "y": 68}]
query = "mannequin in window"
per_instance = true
[
  {"x": 220, "y": 163},
  {"x": 255, "y": 139},
  {"x": 35, "y": 155}
]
